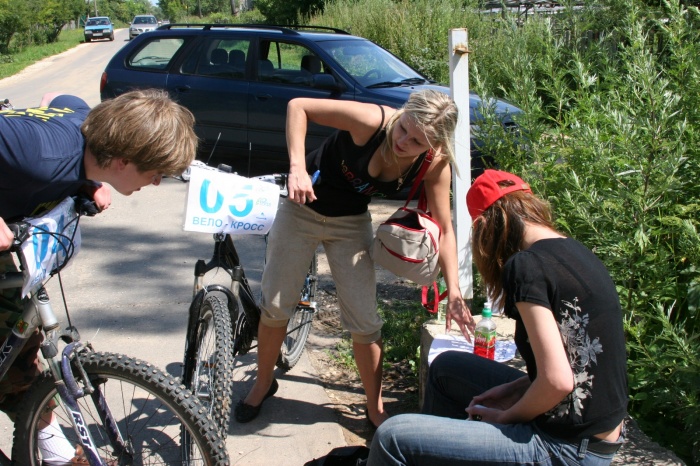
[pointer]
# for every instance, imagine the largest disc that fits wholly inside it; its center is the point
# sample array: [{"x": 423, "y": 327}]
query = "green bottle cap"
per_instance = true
[{"x": 486, "y": 313}]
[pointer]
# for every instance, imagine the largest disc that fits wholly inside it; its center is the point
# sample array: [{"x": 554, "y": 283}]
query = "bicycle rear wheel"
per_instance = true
[
  {"x": 300, "y": 323},
  {"x": 159, "y": 421},
  {"x": 208, "y": 369}
]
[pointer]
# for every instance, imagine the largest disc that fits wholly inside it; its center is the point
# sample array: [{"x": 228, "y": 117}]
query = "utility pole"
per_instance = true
[{"x": 459, "y": 89}]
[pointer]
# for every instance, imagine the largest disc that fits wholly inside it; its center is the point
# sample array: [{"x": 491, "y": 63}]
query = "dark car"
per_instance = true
[
  {"x": 98, "y": 27},
  {"x": 238, "y": 79}
]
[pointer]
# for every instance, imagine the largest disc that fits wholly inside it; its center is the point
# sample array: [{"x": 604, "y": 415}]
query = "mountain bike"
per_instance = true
[
  {"x": 113, "y": 408},
  {"x": 223, "y": 322}
]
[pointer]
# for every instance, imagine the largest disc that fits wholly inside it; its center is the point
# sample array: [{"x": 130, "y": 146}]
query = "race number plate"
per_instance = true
[{"x": 219, "y": 202}]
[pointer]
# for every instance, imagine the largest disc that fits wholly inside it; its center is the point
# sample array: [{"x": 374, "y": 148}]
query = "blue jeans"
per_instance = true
[{"x": 443, "y": 436}]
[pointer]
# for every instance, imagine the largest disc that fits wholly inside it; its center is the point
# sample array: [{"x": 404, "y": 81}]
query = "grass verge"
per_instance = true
[
  {"x": 403, "y": 320},
  {"x": 16, "y": 62}
]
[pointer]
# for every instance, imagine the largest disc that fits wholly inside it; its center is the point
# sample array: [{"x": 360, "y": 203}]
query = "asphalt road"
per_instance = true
[{"x": 76, "y": 71}]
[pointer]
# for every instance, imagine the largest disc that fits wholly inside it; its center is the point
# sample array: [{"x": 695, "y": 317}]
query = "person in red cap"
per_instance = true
[{"x": 569, "y": 407}]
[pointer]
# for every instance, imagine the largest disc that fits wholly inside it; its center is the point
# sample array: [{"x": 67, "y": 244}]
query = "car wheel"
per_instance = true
[
  {"x": 87, "y": 39},
  {"x": 111, "y": 37}
]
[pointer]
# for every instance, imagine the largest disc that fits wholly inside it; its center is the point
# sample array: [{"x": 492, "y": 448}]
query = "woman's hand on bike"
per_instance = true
[{"x": 300, "y": 187}]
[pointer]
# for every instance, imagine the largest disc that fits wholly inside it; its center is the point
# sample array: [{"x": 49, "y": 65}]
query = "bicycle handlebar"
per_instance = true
[
  {"x": 20, "y": 229},
  {"x": 85, "y": 206},
  {"x": 280, "y": 179}
]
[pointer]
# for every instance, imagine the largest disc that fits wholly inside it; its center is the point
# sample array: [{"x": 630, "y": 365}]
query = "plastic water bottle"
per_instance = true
[
  {"x": 485, "y": 335},
  {"x": 442, "y": 304}
]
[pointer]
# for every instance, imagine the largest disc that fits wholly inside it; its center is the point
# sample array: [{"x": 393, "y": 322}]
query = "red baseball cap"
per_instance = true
[{"x": 485, "y": 190}]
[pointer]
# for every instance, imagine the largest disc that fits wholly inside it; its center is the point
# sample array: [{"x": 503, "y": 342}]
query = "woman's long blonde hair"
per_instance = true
[{"x": 436, "y": 114}]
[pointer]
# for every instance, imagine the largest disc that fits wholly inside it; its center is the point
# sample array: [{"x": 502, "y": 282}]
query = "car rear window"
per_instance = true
[
  {"x": 156, "y": 54},
  {"x": 287, "y": 63}
]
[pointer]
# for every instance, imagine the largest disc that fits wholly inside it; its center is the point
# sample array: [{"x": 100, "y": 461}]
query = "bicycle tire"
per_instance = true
[
  {"x": 160, "y": 420},
  {"x": 300, "y": 323},
  {"x": 208, "y": 369}
]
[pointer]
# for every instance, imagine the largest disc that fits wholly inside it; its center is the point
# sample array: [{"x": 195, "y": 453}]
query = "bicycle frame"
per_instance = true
[
  {"x": 38, "y": 313},
  {"x": 159, "y": 420},
  {"x": 225, "y": 257},
  {"x": 218, "y": 332}
]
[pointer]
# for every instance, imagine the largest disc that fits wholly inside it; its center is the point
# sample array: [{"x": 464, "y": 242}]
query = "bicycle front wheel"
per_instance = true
[
  {"x": 137, "y": 415},
  {"x": 208, "y": 370},
  {"x": 300, "y": 323}
]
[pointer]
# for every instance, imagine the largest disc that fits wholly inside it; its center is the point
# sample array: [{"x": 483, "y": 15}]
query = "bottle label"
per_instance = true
[
  {"x": 485, "y": 338},
  {"x": 485, "y": 343}
]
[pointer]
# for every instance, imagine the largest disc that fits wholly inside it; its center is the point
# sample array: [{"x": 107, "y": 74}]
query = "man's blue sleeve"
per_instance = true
[{"x": 69, "y": 101}]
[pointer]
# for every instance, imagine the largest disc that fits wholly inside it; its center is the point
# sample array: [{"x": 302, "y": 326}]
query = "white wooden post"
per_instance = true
[{"x": 459, "y": 87}]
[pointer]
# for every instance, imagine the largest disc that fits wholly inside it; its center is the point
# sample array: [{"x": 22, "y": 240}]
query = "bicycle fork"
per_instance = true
[{"x": 70, "y": 391}]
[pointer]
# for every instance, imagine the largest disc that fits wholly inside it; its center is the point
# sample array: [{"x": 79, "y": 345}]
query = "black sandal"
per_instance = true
[{"x": 246, "y": 413}]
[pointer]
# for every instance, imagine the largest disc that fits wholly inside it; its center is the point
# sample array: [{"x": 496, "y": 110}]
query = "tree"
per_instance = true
[
  {"x": 50, "y": 16},
  {"x": 12, "y": 20}
]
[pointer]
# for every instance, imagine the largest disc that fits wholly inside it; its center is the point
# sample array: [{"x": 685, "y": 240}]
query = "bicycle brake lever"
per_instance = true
[{"x": 20, "y": 230}]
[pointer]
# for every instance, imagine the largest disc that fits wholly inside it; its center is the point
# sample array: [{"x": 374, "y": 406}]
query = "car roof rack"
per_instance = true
[{"x": 287, "y": 29}]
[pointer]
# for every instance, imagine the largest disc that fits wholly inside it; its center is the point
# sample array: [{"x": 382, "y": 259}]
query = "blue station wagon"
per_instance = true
[{"x": 238, "y": 79}]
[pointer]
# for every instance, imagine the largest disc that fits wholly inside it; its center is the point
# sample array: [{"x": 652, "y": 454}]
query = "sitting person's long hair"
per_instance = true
[{"x": 498, "y": 233}]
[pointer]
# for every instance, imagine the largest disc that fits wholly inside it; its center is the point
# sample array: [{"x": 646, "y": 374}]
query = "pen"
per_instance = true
[{"x": 315, "y": 177}]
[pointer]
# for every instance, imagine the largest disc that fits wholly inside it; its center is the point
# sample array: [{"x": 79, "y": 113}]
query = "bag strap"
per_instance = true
[
  {"x": 432, "y": 306},
  {"x": 419, "y": 177}
]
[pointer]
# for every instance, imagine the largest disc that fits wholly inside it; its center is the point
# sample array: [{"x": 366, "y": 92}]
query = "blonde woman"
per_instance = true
[{"x": 376, "y": 151}]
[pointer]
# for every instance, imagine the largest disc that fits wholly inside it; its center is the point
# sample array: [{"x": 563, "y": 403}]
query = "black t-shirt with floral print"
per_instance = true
[{"x": 566, "y": 277}]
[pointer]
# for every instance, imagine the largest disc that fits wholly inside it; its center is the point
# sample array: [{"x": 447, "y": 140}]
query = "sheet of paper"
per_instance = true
[{"x": 505, "y": 349}]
